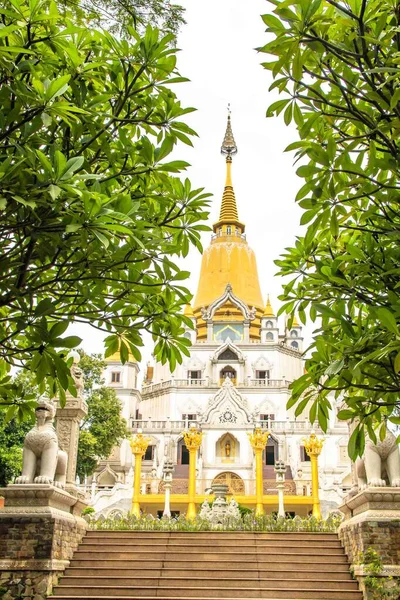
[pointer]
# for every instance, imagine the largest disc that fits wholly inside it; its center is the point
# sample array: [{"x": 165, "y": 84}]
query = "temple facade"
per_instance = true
[{"x": 237, "y": 376}]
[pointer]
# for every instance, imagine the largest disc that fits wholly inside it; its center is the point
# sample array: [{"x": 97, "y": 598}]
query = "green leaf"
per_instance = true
[
  {"x": 387, "y": 319},
  {"x": 72, "y": 165},
  {"x": 57, "y": 87},
  {"x": 68, "y": 342},
  {"x": 345, "y": 415}
]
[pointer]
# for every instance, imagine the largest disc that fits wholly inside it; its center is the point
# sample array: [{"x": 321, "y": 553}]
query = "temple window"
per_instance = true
[
  {"x": 294, "y": 333},
  {"x": 228, "y": 354},
  {"x": 183, "y": 454},
  {"x": 233, "y": 331},
  {"x": 295, "y": 345},
  {"x": 115, "y": 377},
  {"x": 269, "y": 336},
  {"x": 269, "y": 417},
  {"x": 227, "y": 372},
  {"x": 270, "y": 455},
  {"x": 303, "y": 455},
  {"x": 269, "y": 324},
  {"x": 187, "y": 335},
  {"x": 149, "y": 454},
  {"x": 262, "y": 374},
  {"x": 228, "y": 230},
  {"x": 194, "y": 374},
  {"x": 189, "y": 417}
]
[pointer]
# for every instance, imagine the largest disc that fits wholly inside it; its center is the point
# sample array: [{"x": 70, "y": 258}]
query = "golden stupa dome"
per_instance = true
[{"x": 229, "y": 259}]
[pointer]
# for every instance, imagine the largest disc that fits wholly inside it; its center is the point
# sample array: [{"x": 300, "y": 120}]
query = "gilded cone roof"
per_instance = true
[
  {"x": 228, "y": 212},
  {"x": 268, "y": 312}
]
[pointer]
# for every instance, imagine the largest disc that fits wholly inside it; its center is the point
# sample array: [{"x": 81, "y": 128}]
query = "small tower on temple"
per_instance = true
[
  {"x": 269, "y": 325},
  {"x": 294, "y": 338}
]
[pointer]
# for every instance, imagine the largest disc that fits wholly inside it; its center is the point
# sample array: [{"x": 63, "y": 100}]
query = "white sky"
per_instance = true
[{"x": 218, "y": 56}]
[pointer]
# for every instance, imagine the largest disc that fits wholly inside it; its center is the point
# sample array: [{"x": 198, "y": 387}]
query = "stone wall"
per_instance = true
[
  {"x": 34, "y": 552},
  {"x": 38, "y": 538},
  {"x": 32, "y": 585},
  {"x": 382, "y": 536},
  {"x": 372, "y": 520}
]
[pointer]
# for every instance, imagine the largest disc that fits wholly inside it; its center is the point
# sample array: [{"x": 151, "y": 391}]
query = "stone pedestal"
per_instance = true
[
  {"x": 40, "y": 529},
  {"x": 68, "y": 420},
  {"x": 372, "y": 520}
]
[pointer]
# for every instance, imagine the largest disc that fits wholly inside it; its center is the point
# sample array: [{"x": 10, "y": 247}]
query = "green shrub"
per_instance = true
[
  {"x": 378, "y": 586},
  {"x": 249, "y": 522}
]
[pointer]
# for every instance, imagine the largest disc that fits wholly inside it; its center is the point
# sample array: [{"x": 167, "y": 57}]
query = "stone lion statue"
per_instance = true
[
  {"x": 380, "y": 464},
  {"x": 42, "y": 459}
]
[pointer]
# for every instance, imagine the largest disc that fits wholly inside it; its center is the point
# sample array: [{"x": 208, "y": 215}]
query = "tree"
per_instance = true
[
  {"x": 12, "y": 435},
  {"x": 92, "y": 215},
  {"x": 119, "y": 15},
  {"x": 336, "y": 65},
  {"x": 103, "y": 428}
]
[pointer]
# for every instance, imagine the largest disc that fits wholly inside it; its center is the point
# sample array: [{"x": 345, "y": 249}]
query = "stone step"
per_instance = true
[
  {"x": 308, "y": 549},
  {"x": 167, "y": 561},
  {"x": 205, "y": 582},
  {"x": 322, "y": 571},
  {"x": 116, "y": 593},
  {"x": 172, "y": 543},
  {"x": 196, "y": 554}
]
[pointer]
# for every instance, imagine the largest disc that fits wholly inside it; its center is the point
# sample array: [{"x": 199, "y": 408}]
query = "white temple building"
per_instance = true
[{"x": 239, "y": 371}]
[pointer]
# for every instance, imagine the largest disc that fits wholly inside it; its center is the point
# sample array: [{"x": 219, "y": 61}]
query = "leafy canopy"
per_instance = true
[
  {"x": 336, "y": 65},
  {"x": 119, "y": 15},
  {"x": 92, "y": 213}
]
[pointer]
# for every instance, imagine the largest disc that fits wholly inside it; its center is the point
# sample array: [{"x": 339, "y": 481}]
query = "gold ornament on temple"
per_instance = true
[
  {"x": 139, "y": 444},
  {"x": 258, "y": 439},
  {"x": 192, "y": 438},
  {"x": 313, "y": 445}
]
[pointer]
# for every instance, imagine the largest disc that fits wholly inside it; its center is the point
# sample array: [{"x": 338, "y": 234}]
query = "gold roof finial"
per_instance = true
[
  {"x": 229, "y": 147},
  {"x": 229, "y": 214},
  {"x": 188, "y": 311},
  {"x": 295, "y": 322},
  {"x": 268, "y": 312}
]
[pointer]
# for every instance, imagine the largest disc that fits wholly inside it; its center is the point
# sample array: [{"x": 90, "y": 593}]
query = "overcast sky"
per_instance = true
[{"x": 218, "y": 56}]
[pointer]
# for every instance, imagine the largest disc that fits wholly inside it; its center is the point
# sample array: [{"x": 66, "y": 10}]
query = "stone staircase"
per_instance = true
[{"x": 208, "y": 565}]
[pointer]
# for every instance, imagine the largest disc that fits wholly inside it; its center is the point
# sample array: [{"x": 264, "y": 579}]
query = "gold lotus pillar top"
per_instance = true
[
  {"x": 229, "y": 259},
  {"x": 313, "y": 445},
  {"x": 258, "y": 439},
  {"x": 139, "y": 444}
]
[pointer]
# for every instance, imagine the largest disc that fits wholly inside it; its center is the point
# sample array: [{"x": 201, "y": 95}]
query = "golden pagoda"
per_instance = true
[{"x": 228, "y": 260}]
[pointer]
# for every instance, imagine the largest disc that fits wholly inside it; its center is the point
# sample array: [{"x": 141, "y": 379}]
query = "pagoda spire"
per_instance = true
[
  {"x": 228, "y": 215},
  {"x": 268, "y": 312}
]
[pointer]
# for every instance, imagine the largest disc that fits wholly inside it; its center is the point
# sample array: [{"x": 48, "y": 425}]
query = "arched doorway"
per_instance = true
[
  {"x": 227, "y": 371},
  {"x": 233, "y": 481},
  {"x": 271, "y": 452},
  {"x": 183, "y": 453}
]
